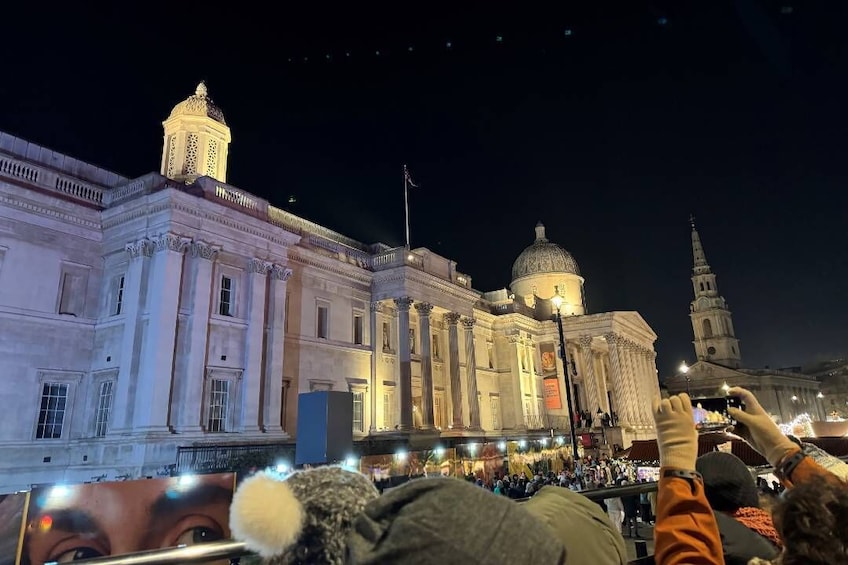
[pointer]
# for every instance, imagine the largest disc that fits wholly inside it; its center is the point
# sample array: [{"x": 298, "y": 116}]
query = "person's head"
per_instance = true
[
  {"x": 104, "y": 519},
  {"x": 728, "y": 483},
  {"x": 812, "y": 520}
]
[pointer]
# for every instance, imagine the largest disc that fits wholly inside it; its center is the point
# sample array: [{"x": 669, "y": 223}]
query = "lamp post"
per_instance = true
[
  {"x": 684, "y": 368},
  {"x": 557, "y": 301}
]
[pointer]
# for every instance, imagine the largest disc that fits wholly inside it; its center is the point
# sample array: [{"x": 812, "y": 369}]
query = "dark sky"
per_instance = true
[{"x": 612, "y": 135}]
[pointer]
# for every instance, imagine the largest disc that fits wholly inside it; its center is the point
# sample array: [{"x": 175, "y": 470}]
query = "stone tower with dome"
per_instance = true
[
  {"x": 197, "y": 139},
  {"x": 544, "y": 269}
]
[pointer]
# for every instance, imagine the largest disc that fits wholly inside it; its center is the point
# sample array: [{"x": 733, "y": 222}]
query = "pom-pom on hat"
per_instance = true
[{"x": 304, "y": 518}]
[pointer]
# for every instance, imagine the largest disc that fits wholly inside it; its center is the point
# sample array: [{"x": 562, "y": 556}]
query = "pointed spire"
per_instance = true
[
  {"x": 201, "y": 90},
  {"x": 701, "y": 265}
]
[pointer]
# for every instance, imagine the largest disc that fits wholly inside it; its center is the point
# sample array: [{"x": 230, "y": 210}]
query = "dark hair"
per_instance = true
[{"x": 812, "y": 520}]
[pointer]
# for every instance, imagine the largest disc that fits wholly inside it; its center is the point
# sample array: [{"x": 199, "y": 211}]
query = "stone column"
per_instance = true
[
  {"x": 133, "y": 305},
  {"x": 471, "y": 374},
  {"x": 376, "y": 344},
  {"x": 189, "y": 404},
  {"x": 452, "y": 318},
  {"x": 251, "y": 397},
  {"x": 635, "y": 387},
  {"x": 592, "y": 388},
  {"x": 622, "y": 404},
  {"x": 153, "y": 393},
  {"x": 404, "y": 363},
  {"x": 424, "y": 311},
  {"x": 272, "y": 412}
]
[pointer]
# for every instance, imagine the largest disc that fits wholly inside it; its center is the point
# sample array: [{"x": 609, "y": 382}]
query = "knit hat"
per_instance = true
[
  {"x": 304, "y": 518},
  {"x": 728, "y": 483},
  {"x": 446, "y": 521},
  {"x": 581, "y": 524}
]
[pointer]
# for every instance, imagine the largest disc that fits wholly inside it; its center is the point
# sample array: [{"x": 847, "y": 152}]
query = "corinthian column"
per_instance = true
[
  {"x": 153, "y": 393},
  {"x": 424, "y": 310},
  {"x": 405, "y": 363},
  {"x": 619, "y": 391},
  {"x": 471, "y": 373},
  {"x": 374, "y": 342},
  {"x": 252, "y": 380},
  {"x": 273, "y": 409},
  {"x": 589, "y": 378},
  {"x": 452, "y": 318},
  {"x": 189, "y": 385}
]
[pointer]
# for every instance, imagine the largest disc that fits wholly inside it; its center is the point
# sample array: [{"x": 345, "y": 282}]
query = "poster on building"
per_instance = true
[
  {"x": 71, "y": 522},
  {"x": 547, "y": 355},
  {"x": 12, "y": 507},
  {"x": 553, "y": 401}
]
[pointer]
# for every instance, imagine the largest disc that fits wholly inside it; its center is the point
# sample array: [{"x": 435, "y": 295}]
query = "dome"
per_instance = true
[
  {"x": 543, "y": 257},
  {"x": 199, "y": 104}
]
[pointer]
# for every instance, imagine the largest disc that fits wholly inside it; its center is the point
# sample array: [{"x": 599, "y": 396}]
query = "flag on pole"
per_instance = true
[{"x": 408, "y": 177}]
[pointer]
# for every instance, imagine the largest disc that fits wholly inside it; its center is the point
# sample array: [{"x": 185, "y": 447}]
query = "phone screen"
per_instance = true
[{"x": 711, "y": 413}]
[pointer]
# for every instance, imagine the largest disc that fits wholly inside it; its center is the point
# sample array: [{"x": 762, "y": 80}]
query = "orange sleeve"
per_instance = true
[
  {"x": 686, "y": 529},
  {"x": 807, "y": 470}
]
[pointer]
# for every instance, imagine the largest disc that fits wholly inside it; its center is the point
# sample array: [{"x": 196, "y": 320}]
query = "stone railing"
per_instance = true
[
  {"x": 397, "y": 257},
  {"x": 514, "y": 307},
  {"x": 51, "y": 180},
  {"x": 136, "y": 187},
  {"x": 546, "y": 422}
]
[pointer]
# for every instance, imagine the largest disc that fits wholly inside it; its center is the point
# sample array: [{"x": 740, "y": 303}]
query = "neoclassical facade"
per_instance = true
[
  {"x": 785, "y": 394},
  {"x": 144, "y": 315}
]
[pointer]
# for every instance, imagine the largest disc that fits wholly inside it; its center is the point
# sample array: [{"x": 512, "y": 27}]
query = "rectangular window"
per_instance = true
[
  {"x": 412, "y": 341},
  {"x": 436, "y": 353},
  {"x": 437, "y": 411},
  {"x": 104, "y": 408},
  {"x": 51, "y": 415},
  {"x": 358, "y": 411},
  {"x": 225, "y": 301},
  {"x": 219, "y": 405},
  {"x": 495, "y": 407},
  {"x": 490, "y": 352},
  {"x": 323, "y": 322},
  {"x": 117, "y": 295},
  {"x": 72, "y": 294},
  {"x": 388, "y": 413},
  {"x": 358, "y": 329}
]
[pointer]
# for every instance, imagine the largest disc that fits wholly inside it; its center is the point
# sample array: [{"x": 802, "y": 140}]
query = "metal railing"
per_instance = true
[
  {"x": 226, "y": 458},
  {"x": 235, "y": 550}
]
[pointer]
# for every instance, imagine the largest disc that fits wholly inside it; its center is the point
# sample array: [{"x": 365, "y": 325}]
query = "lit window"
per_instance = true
[
  {"x": 51, "y": 415},
  {"x": 358, "y": 411},
  {"x": 225, "y": 302},
  {"x": 219, "y": 405},
  {"x": 104, "y": 408},
  {"x": 388, "y": 413},
  {"x": 495, "y": 407}
]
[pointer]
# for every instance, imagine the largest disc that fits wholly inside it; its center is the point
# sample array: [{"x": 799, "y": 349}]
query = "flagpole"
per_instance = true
[{"x": 406, "y": 203}]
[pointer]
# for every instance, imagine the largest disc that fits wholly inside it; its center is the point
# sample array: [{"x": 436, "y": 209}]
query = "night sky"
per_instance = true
[{"x": 609, "y": 123}]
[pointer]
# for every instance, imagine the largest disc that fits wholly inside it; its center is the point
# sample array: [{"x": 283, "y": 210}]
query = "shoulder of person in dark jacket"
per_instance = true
[{"x": 740, "y": 543}]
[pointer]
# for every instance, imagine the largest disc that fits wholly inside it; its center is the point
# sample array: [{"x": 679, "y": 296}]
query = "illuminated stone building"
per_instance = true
[
  {"x": 140, "y": 316},
  {"x": 785, "y": 394}
]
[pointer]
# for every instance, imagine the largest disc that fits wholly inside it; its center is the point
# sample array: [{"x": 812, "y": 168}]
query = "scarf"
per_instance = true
[{"x": 759, "y": 520}]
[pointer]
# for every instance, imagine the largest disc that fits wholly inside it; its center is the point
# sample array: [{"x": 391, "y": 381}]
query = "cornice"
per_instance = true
[
  {"x": 302, "y": 256},
  {"x": 29, "y": 206},
  {"x": 430, "y": 281}
]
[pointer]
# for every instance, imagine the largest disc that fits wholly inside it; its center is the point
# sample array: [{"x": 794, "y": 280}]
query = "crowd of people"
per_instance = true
[{"x": 708, "y": 509}]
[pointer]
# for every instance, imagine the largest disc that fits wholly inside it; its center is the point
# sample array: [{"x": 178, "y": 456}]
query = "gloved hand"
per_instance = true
[
  {"x": 677, "y": 438},
  {"x": 755, "y": 426}
]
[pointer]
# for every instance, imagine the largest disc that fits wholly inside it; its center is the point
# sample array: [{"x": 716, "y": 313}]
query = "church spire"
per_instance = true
[
  {"x": 715, "y": 339},
  {"x": 701, "y": 266}
]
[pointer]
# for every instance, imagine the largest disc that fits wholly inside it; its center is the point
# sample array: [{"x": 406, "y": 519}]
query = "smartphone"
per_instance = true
[{"x": 711, "y": 413}]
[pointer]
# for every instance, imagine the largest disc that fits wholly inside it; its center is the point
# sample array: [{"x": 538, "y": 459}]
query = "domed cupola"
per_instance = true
[
  {"x": 543, "y": 268},
  {"x": 197, "y": 139}
]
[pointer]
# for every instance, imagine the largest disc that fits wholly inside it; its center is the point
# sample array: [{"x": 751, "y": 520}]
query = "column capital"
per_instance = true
[
  {"x": 377, "y": 307},
  {"x": 424, "y": 308},
  {"x": 585, "y": 341},
  {"x": 280, "y": 273},
  {"x": 140, "y": 248},
  {"x": 614, "y": 338},
  {"x": 452, "y": 318},
  {"x": 403, "y": 303},
  {"x": 203, "y": 250},
  {"x": 468, "y": 323},
  {"x": 171, "y": 242},
  {"x": 259, "y": 266}
]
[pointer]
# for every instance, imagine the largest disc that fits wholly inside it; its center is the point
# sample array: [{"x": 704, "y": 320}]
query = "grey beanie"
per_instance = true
[
  {"x": 303, "y": 518},
  {"x": 448, "y": 521},
  {"x": 584, "y": 528},
  {"x": 728, "y": 484}
]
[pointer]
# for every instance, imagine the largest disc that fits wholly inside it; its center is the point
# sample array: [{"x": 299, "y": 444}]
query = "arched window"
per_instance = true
[{"x": 708, "y": 328}]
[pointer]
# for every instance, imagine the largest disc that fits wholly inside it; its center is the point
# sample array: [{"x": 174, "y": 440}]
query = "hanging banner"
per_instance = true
[
  {"x": 547, "y": 354},
  {"x": 553, "y": 401},
  {"x": 71, "y": 522}
]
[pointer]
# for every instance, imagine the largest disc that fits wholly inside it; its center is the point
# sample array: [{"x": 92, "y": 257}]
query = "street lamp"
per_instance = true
[
  {"x": 557, "y": 301},
  {"x": 684, "y": 368}
]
